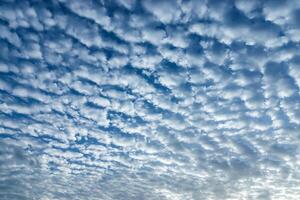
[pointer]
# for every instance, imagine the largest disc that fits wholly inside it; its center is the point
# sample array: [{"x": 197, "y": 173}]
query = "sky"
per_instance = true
[{"x": 149, "y": 99}]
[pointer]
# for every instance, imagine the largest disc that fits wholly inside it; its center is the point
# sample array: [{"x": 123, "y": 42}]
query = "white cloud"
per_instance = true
[
  {"x": 166, "y": 11},
  {"x": 99, "y": 95}
]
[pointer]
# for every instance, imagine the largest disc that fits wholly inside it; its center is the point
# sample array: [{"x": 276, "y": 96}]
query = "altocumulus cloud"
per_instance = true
[{"x": 152, "y": 99}]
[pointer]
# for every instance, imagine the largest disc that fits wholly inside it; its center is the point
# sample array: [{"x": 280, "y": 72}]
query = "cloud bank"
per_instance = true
[{"x": 154, "y": 99}]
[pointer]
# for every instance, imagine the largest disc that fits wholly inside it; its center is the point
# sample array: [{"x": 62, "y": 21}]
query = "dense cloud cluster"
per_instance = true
[{"x": 152, "y": 99}]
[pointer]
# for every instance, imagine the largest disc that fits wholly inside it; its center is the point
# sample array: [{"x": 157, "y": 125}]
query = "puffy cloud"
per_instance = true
[
  {"x": 185, "y": 99},
  {"x": 165, "y": 11}
]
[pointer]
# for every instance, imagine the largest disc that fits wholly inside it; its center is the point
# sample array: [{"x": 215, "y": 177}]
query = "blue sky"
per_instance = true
[{"x": 147, "y": 100}]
